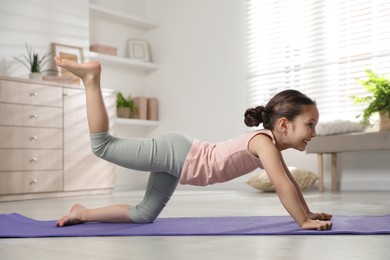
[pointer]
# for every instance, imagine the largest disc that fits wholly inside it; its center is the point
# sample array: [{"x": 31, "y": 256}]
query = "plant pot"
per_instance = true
[
  {"x": 384, "y": 122},
  {"x": 123, "y": 112},
  {"x": 35, "y": 76}
]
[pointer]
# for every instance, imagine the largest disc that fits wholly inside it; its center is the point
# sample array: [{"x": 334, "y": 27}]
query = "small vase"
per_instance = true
[
  {"x": 35, "y": 76},
  {"x": 384, "y": 122}
]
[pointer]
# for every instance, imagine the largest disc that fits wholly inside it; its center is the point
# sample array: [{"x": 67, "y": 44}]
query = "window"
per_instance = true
[{"x": 318, "y": 47}]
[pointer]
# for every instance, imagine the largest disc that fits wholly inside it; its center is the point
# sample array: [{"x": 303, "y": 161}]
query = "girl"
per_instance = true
[{"x": 289, "y": 120}]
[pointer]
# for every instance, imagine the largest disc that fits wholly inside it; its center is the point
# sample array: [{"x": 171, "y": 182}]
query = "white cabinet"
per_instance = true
[
  {"x": 44, "y": 142},
  {"x": 30, "y": 138}
]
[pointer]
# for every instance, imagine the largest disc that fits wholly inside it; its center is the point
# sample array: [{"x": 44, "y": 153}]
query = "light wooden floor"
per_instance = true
[{"x": 187, "y": 203}]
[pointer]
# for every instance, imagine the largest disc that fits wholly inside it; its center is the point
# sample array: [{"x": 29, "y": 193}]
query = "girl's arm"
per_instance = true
[
  {"x": 311, "y": 215},
  {"x": 271, "y": 160},
  {"x": 300, "y": 195}
]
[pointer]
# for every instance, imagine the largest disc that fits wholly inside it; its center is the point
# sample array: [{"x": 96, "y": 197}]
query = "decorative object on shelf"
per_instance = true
[
  {"x": 104, "y": 49},
  {"x": 378, "y": 102},
  {"x": 152, "y": 109},
  {"x": 68, "y": 52},
  {"x": 138, "y": 50},
  {"x": 142, "y": 108},
  {"x": 34, "y": 63},
  {"x": 125, "y": 107}
]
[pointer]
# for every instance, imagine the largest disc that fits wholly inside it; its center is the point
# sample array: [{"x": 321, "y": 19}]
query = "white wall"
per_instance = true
[
  {"x": 39, "y": 23},
  {"x": 201, "y": 83}
]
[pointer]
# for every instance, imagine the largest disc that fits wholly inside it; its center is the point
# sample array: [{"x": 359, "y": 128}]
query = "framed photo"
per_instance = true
[
  {"x": 138, "y": 50},
  {"x": 68, "y": 52}
]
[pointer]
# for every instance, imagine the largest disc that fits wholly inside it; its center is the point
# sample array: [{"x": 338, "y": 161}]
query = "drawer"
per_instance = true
[
  {"x": 24, "y": 115},
  {"x": 30, "y": 94},
  {"x": 30, "y": 138},
  {"x": 30, "y": 160},
  {"x": 30, "y": 182}
]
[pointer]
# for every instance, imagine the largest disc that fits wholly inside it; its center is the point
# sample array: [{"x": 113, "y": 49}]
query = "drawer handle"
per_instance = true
[
  {"x": 33, "y": 116},
  {"x": 34, "y": 160},
  {"x": 33, "y": 94},
  {"x": 33, "y": 138},
  {"x": 32, "y": 182}
]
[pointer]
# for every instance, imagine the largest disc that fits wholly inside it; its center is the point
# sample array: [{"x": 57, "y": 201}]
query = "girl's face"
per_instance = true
[{"x": 302, "y": 129}]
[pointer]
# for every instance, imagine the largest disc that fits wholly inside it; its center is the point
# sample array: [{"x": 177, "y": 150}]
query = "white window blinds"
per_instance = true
[{"x": 318, "y": 47}]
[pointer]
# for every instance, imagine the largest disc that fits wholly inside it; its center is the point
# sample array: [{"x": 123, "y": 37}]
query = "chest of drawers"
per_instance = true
[{"x": 34, "y": 154}]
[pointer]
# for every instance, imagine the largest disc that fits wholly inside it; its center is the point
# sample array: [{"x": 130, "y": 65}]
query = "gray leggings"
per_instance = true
[{"x": 163, "y": 157}]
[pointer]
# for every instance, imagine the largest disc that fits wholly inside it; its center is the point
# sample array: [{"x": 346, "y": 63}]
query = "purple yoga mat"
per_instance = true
[{"x": 15, "y": 225}]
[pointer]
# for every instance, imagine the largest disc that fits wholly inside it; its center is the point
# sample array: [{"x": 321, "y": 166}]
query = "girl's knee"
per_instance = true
[
  {"x": 139, "y": 215},
  {"x": 144, "y": 219},
  {"x": 159, "y": 191},
  {"x": 99, "y": 142}
]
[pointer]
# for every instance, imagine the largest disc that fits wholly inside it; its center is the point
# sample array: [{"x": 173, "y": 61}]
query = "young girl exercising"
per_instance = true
[{"x": 289, "y": 121}]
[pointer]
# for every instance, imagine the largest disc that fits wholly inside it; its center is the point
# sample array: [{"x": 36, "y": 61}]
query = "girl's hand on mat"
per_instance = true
[
  {"x": 319, "y": 216},
  {"x": 317, "y": 224},
  {"x": 73, "y": 218}
]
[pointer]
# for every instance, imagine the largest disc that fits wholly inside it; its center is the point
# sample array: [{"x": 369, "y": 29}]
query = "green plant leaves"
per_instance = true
[
  {"x": 379, "y": 101},
  {"x": 32, "y": 61},
  {"x": 121, "y": 101}
]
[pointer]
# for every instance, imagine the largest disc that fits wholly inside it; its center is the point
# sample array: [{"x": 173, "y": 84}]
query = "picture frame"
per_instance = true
[
  {"x": 68, "y": 52},
  {"x": 138, "y": 50}
]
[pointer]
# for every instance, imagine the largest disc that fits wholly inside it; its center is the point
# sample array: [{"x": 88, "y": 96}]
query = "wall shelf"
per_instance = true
[
  {"x": 116, "y": 60},
  {"x": 136, "y": 122},
  {"x": 120, "y": 17},
  {"x": 117, "y": 16}
]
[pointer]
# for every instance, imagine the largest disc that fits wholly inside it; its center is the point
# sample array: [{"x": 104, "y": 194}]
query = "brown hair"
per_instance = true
[{"x": 287, "y": 103}]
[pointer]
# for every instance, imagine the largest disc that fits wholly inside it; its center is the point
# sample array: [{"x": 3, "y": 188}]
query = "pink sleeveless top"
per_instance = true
[{"x": 209, "y": 163}]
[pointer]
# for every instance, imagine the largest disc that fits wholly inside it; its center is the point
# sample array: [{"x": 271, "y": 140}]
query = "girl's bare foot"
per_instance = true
[
  {"x": 73, "y": 218},
  {"x": 88, "y": 72}
]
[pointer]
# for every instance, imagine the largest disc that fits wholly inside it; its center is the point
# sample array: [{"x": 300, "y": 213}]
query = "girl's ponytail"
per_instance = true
[{"x": 256, "y": 116}]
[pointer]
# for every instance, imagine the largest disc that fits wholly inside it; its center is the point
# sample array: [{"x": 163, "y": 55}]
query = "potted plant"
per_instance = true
[
  {"x": 33, "y": 62},
  {"x": 132, "y": 105},
  {"x": 379, "y": 101},
  {"x": 124, "y": 106}
]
